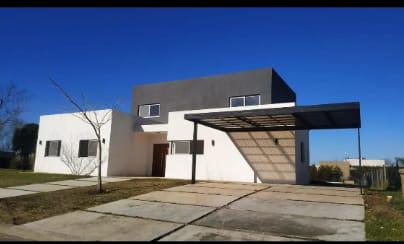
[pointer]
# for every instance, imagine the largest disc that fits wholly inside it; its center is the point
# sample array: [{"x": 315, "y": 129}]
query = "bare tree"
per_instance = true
[
  {"x": 91, "y": 117},
  {"x": 12, "y": 101},
  {"x": 77, "y": 165}
]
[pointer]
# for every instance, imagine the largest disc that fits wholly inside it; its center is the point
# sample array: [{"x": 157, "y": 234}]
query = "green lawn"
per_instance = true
[
  {"x": 12, "y": 177},
  {"x": 384, "y": 220},
  {"x": 28, "y": 208}
]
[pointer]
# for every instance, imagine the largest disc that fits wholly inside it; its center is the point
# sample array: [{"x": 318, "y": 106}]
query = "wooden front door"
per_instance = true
[{"x": 159, "y": 159}]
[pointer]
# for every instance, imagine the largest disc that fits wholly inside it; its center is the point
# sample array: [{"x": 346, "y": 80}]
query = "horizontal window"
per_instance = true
[
  {"x": 52, "y": 148},
  {"x": 88, "y": 148},
  {"x": 149, "y": 110},
  {"x": 241, "y": 101},
  {"x": 186, "y": 147}
]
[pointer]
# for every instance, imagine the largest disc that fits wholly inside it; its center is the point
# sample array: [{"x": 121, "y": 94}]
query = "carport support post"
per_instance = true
[
  {"x": 360, "y": 161},
  {"x": 195, "y": 136}
]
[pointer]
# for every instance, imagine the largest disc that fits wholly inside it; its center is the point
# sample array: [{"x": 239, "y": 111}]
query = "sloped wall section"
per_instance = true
[{"x": 270, "y": 154}]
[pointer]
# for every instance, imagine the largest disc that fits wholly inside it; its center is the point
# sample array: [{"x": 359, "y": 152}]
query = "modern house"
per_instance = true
[{"x": 242, "y": 126}]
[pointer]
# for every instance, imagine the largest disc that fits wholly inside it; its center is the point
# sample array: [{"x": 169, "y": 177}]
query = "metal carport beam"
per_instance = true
[
  {"x": 323, "y": 116},
  {"x": 194, "y": 140}
]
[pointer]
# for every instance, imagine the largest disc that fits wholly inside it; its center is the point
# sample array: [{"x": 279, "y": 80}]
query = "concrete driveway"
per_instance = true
[{"x": 216, "y": 211}]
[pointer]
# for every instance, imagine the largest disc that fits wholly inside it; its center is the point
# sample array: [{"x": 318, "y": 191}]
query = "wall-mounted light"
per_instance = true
[
  {"x": 276, "y": 141},
  {"x": 103, "y": 140},
  {"x": 213, "y": 143},
  {"x": 40, "y": 142}
]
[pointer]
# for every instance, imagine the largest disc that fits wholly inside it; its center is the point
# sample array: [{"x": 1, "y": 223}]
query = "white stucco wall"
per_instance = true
[
  {"x": 70, "y": 130},
  {"x": 121, "y": 153},
  {"x": 130, "y": 153},
  {"x": 223, "y": 161},
  {"x": 143, "y": 151}
]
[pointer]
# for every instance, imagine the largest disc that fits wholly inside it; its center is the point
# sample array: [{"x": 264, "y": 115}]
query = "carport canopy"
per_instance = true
[
  {"x": 323, "y": 116},
  {"x": 308, "y": 117}
]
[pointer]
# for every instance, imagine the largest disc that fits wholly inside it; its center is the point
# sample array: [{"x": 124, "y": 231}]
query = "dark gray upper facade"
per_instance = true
[{"x": 210, "y": 92}]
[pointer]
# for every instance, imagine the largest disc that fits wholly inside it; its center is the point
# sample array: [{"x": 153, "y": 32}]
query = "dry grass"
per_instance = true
[
  {"x": 384, "y": 220},
  {"x": 28, "y": 208},
  {"x": 12, "y": 177}
]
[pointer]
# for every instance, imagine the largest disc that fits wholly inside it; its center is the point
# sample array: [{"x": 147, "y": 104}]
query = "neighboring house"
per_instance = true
[
  {"x": 155, "y": 139},
  {"x": 354, "y": 162},
  {"x": 349, "y": 163}
]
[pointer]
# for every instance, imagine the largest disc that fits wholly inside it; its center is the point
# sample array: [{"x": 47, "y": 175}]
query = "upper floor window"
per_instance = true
[
  {"x": 52, "y": 148},
  {"x": 249, "y": 100},
  {"x": 149, "y": 110}
]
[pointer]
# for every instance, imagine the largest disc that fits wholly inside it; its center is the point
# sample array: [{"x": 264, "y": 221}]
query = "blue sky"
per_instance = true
[{"x": 325, "y": 54}]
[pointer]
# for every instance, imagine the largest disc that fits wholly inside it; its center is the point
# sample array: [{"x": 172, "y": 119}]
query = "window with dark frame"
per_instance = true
[
  {"x": 236, "y": 101},
  {"x": 199, "y": 147},
  {"x": 149, "y": 110},
  {"x": 186, "y": 147},
  {"x": 241, "y": 101},
  {"x": 88, "y": 148},
  {"x": 252, "y": 100},
  {"x": 52, "y": 148}
]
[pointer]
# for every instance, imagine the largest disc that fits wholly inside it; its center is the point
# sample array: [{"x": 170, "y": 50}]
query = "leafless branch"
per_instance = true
[
  {"x": 90, "y": 116},
  {"x": 12, "y": 101},
  {"x": 77, "y": 165}
]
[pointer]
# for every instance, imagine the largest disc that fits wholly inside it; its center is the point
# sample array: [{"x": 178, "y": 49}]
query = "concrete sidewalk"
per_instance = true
[
  {"x": 14, "y": 191},
  {"x": 214, "y": 211}
]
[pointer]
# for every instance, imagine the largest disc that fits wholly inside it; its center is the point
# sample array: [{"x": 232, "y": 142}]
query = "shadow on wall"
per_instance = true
[{"x": 271, "y": 155}]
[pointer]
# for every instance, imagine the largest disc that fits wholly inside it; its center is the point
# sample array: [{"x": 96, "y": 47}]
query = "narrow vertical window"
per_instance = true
[{"x": 302, "y": 154}]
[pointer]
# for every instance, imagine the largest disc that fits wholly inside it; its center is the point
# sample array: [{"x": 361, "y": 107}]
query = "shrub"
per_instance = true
[
  {"x": 19, "y": 163},
  {"x": 329, "y": 173}
]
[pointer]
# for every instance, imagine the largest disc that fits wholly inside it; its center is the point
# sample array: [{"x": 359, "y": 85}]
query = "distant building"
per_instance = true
[
  {"x": 345, "y": 165},
  {"x": 366, "y": 162}
]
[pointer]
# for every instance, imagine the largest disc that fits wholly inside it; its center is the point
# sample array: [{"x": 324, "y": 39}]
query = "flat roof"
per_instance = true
[{"x": 321, "y": 116}]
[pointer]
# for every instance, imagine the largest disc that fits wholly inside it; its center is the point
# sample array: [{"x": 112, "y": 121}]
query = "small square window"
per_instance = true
[
  {"x": 52, "y": 148},
  {"x": 154, "y": 110},
  {"x": 88, "y": 148},
  {"x": 199, "y": 147},
  {"x": 236, "y": 101},
  {"x": 252, "y": 100},
  {"x": 181, "y": 147},
  {"x": 144, "y": 111},
  {"x": 149, "y": 110}
]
